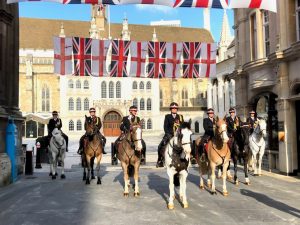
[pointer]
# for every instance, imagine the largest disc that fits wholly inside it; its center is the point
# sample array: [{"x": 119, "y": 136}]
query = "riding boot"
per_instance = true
[
  {"x": 160, "y": 159},
  {"x": 104, "y": 142},
  {"x": 80, "y": 149}
]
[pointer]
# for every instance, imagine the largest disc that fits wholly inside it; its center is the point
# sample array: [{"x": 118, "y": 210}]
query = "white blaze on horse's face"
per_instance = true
[
  {"x": 224, "y": 133},
  {"x": 138, "y": 142},
  {"x": 186, "y": 140},
  {"x": 263, "y": 127}
]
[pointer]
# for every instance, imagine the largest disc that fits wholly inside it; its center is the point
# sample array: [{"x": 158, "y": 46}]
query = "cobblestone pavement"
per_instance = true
[{"x": 270, "y": 199}]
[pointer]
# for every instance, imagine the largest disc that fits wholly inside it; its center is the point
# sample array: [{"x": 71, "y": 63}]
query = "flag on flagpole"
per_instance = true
[
  {"x": 191, "y": 59},
  {"x": 157, "y": 59},
  {"x": 105, "y": 2},
  {"x": 99, "y": 54},
  {"x": 220, "y": 4},
  {"x": 138, "y": 52},
  {"x": 119, "y": 58},
  {"x": 208, "y": 60},
  {"x": 82, "y": 54},
  {"x": 149, "y": 2},
  {"x": 270, "y": 5},
  {"x": 62, "y": 55},
  {"x": 174, "y": 52}
]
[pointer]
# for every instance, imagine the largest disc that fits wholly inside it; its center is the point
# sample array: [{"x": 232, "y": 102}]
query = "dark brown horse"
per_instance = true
[
  {"x": 129, "y": 154},
  {"x": 93, "y": 148}
]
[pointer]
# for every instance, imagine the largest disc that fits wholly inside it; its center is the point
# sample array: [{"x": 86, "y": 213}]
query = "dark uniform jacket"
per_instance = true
[
  {"x": 208, "y": 126},
  {"x": 126, "y": 122},
  {"x": 251, "y": 122},
  {"x": 171, "y": 124},
  {"x": 54, "y": 124},
  {"x": 232, "y": 124},
  {"x": 97, "y": 121}
]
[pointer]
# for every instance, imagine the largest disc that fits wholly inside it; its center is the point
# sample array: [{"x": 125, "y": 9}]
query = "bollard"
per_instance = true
[
  {"x": 114, "y": 161},
  {"x": 11, "y": 144},
  {"x": 38, "y": 164},
  {"x": 29, "y": 163}
]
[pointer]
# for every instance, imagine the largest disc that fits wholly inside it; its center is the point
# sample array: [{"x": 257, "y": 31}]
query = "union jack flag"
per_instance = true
[
  {"x": 157, "y": 59},
  {"x": 220, "y": 4},
  {"x": 119, "y": 58},
  {"x": 99, "y": 53},
  {"x": 174, "y": 52},
  {"x": 138, "y": 51},
  {"x": 150, "y": 2},
  {"x": 208, "y": 60},
  {"x": 191, "y": 59},
  {"x": 82, "y": 54},
  {"x": 252, "y": 4},
  {"x": 106, "y": 2}
]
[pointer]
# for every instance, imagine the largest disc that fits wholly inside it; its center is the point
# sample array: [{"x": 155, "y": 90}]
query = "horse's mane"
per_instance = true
[{"x": 185, "y": 125}]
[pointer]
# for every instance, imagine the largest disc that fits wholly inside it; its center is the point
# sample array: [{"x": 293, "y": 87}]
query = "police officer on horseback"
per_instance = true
[
  {"x": 125, "y": 127},
  {"x": 171, "y": 123},
  {"x": 97, "y": 121},
  {"x": 252, "y": 121},
  {"x": 233, "y": 123},
  {"x": 209, "y": 125},
  {"x": 56, "y": 122}
]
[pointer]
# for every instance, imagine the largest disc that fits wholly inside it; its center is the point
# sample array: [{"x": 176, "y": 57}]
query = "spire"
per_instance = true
[
  {"x": 154, "y": 36},
  {"x": 206, "y": 19},
  {"x": 62, "y": 30},
  {"x": 225, "y": 39},
  {"x": 94, "y": 33},
  {"x": 125, "y": 31}
]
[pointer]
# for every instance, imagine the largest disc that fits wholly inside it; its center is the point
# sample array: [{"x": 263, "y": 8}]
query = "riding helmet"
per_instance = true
[
  {"x": 92, "y": 109},
  {"x": 210, "y": 110},
  {"x": 54, "y": 113},
  {"x": 252, "y": 112},
  {"x": 173, "y": 105},
  {"x": 231, "y": 110},
  {"x": 132, "y": 108}
]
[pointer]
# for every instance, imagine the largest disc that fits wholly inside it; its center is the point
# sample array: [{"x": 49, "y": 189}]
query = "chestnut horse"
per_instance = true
[{"x": 129, "y": 153}]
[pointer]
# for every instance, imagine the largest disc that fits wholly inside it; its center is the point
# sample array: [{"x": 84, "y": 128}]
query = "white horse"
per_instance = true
[
  {"x": 57, "y": 151},
  {"x": 257, "y": 145},
  {"x": 177, "y": 157}
]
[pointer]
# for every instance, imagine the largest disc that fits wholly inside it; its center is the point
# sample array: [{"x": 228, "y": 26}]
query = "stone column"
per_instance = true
[
  {"x": 221, "y": 106},
  {"x": 232, "y": 87},
  {"x": 209, "y": 95},
  {"x": 226, "y": 91},
  {"x": 260, "y": 37},
  {"x": 215, "y": 98}
]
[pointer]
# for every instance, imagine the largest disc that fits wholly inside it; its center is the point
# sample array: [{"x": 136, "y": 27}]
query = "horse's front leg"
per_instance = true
[
  {"x": 213, "y": 178},
  {"x": 255, "y": 163},
  {"x": 235, "y": 161},
  {"x": 136, "y": 180},
  {"x": 98, "y": 160},
  {"x": 183, "y": 176},
  {"x": 63, "y": 176},
  {"x": 247, "y": 181},
  {"x": 224, "y": 176},
  {"x": 201, "y": 179},
  {"x": 54, "y": 166},
  {"x": 171, "y": 188},
  {"x": 92, "y": 167},
  {"x": 259, "y": 163},
  {"x": 126, "y": 179},
  {"x": 88, "y": 163}
]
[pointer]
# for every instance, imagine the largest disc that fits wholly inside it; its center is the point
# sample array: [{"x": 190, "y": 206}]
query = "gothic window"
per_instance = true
[
  {"x": 149, "y": 124},
  {"x": 78, "y": 84},
  {"x": 134, "y": 85},
  {"x": 143, "y": 124},
  {"x": 298, "y": 19},
  {"x": 266, "y": 32},
  {"x": 70, "y": 84},
  {"x": 111, "y": 89},
  {"x": 78, "y": 104},
  {"x": 86, "y": 85},
  {"x": 148, "y": 85},
  {"x": 142, "y": 85},
  {"x": 71, "y": 104},
  {"x": 149, "y": 104},
  {"x": 45, "y": 99},
  {"x": 103, "y": 89},
  {"x": 79, "y": 125},
  {"x": 185, "y": 98},
  {"x": 142, "y": 104},
  {"x": 86, "y": 104},
  {"x": 160, "y": 98},
  {"x": 71, "y": 125},
  {"x": 197, "y": 127},
  {"x": 135, "y": 102},
  {"x": 253, "y": 33},
  {"x": 118, "y": 89}
]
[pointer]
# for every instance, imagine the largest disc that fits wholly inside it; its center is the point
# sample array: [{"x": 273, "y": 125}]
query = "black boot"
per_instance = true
[
  {"x": 80, "y": 151},
  {"x": 103, "y": 151}
]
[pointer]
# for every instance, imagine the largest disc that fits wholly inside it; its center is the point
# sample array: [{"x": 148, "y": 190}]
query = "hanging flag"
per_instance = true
[
  {"x": 62, "y": 55},
  {"x": 99, "y": 54},
  {"x": 119, "y": 58},
  {"x": 149, "y": 2},
  {"x": 220, "y": 4},
  {"x": 157, "y": 59},
  {"x": 16, "y": 1},
  {"x": 270, "y": 5},
  {"x": 82, "y": 54},
  {"x": 174, "y": 52},
  {"x": 105, "y": 2},
  {"x": 191, "y": 59},
  {"x": 138, "y": 52},
  {"x": 208, "y": 60}
]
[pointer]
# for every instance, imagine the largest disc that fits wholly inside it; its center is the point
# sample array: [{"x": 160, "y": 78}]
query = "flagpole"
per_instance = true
[{"x": 109, "y": 37}]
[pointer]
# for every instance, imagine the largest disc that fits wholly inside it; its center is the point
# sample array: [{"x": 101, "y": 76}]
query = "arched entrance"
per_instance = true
[{"x": 111, "y": 124}]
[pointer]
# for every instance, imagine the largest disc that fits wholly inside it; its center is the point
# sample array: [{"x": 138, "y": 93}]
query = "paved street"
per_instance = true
[{"x": 271, "y": 199}]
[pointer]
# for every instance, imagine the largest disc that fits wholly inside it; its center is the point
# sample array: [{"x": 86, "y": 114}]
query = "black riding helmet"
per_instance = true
[{"x": 174, "y": 105}]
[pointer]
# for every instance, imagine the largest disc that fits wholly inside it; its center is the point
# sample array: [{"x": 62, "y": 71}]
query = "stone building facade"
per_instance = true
[{"x": 267, "y": 77}]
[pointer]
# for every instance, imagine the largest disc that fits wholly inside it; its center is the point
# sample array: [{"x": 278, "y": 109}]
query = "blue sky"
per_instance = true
[{"x": 136, "y": 14}]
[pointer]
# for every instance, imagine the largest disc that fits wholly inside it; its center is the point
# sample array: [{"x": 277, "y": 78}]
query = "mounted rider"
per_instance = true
[
  {"x": 209, "y": 125},
  {"x": 97, "y": 121},
  {"x": 233, "y": 123},
  {"x": 252, "y": 121},
  {"x": 53, "y": 123},
  {"x": 125, "y": 127},
  {"x": 171, "y": 123}
]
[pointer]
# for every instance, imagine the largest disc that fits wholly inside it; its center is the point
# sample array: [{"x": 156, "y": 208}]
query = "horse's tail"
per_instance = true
[
  {"x": 176, "y": 180},
  {"x": 130, "y": 170}
]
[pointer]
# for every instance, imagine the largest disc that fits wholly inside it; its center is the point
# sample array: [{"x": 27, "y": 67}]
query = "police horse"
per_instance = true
[
  {"x": 177, "y": 158},
  {"x": 57, "y": 152},
  {"x": 218, "y": 154},
  {"x": 257, "y": 145},
  {"x": 129, "y": 153}
]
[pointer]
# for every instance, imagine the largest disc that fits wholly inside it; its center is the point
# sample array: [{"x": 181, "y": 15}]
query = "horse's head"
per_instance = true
[
  {"x": 184, "y": 134},
  {"x": 58, "y": 138},
  {"x": 136, "y": 135},
  {"x": 221, "y": 129},
  {"x": 89, "y": 126},
  {"x": 244, "y": 131},
  {"x": 261, "y": 127}
]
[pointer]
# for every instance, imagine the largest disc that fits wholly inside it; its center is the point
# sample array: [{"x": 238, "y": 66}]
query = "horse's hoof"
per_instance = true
[
  {"x": 84, "y": 178},
  {"x": 63, "y": 176},
  {"x": 56, "y": 174},
  {"x": 229, "y": 178},
  {"x": 225, "y": 193},
  {"x": 237, "y": 183},
  {"x": 99, "y": 181},
  {"x": 87, "y": 181},
  {"x": 209, "y": 185},
  {"x": 259, "y": 175},
  {"x": 201, "y": 187},
  {"x": 53, "y": 177},
  {"x": 137, "y": 194},
  {"x": 247, "y": 183},
  {"x": 185, "y": 205},
  {"x": 170, "y": 206},
  {"x": 213, "y": 193},
  {"x": 93, "y": 177},
  {"x": 50, "y": 174},
  {"x": 126, "y": 195}
]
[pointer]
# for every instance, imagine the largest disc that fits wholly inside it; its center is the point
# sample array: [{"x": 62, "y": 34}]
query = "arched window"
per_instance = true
[
  {"x": 103, "y": 89},
  {"x": 142, "y": 104},
  {"x": 197, "y": 127},
  {"x": 149, "y": 124},
  {"x": 149, "y": 104},
  {"x": 86, "y": 104},
  {"x": 86, "y": 85},
  {"x": 134, "y": 85},
  {"x": 111, "y": 89},
  {"x": 71, "y": 104},
  {"x": 78, "y": 84},
  {"x": 71, "y": 125},
  {"x": 143, "y": 124},
  {"x": 161, "y": 98},
  {"x": 79, "y": 125},
  {"x": 148, "y": 85},
  {"x": 135, "y": 102},
  {"x": 185, "y": 97},
  {"x": 45, "y": 99},
  {"x": 142, "y": 85},
  {"x": 118, "y": 89},
  {"x": 78, "y": 104},
  {"x": 70, "y": 84}
]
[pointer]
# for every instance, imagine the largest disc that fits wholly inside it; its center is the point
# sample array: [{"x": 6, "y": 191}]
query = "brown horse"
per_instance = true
[
  {"x": 129, "y": 154},
  {"x": 92, "y": 148},
  {"x": 218, "y": 153}
]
